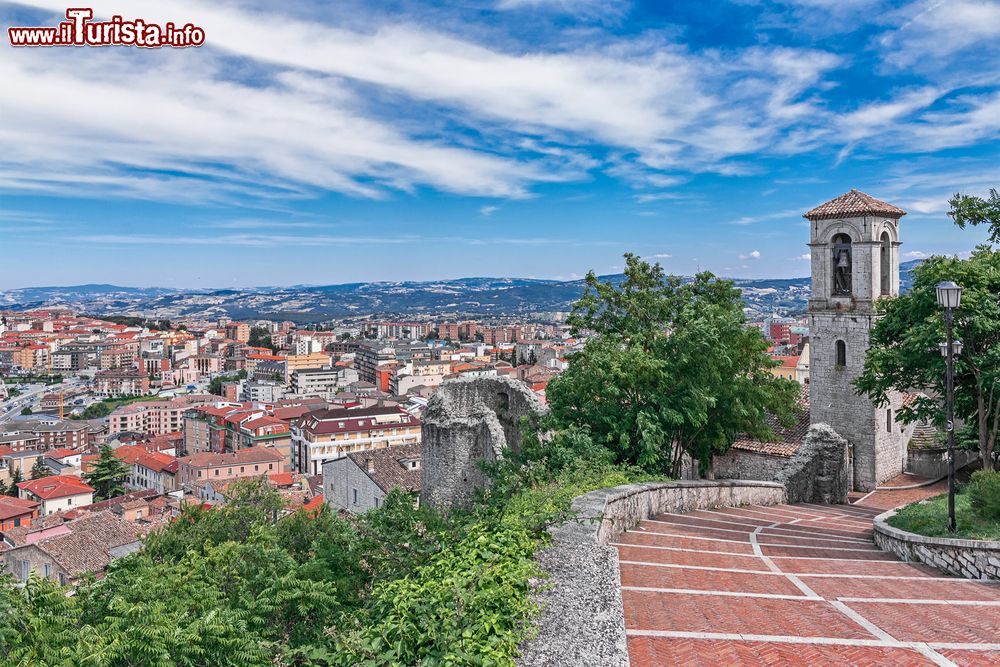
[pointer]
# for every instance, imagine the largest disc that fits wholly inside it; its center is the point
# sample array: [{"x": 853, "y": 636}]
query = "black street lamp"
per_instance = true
[{"x": 949, "y": 296}]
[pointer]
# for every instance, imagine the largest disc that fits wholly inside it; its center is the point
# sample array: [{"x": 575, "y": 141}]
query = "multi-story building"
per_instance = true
[
  {"x": 155, "y": 417},
  {"x": 238, "y": 331},
  {"x": 149, "y": 469},
  {"x": 216, "y": 467},
  {"x": 44, "y": 434},
  {"x": 325, "y": 435},
  {"x": 117, "y": 383}
]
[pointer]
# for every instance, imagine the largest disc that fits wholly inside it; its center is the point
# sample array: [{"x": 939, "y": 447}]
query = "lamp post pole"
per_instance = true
[
  {"x": 949, "y": 297},
  {"x": 950, "y": 384}
]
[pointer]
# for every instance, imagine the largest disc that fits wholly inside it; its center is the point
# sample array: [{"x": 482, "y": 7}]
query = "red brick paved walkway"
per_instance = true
[{"x": 795, "y": 585}]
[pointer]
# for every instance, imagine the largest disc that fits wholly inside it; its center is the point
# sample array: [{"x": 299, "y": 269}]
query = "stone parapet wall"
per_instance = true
[
  {"x": 582, "y": 621},
  {"x": 972, "y": 559},
  {"x": 932, "y": 463}
]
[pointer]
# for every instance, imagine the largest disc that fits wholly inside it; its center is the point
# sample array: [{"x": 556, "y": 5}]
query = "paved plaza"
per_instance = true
[{"x": 796, "y": 585}]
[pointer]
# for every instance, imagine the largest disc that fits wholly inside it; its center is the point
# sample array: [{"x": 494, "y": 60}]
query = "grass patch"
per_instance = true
[
  {"x": 930, "y": 518},
  {"x": 108, "y": 405}
]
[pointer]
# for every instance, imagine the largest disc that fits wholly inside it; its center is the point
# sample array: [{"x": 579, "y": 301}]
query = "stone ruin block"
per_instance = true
[{"x": 469, "y": 420}]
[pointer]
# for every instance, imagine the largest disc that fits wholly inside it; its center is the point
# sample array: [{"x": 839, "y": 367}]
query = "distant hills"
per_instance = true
[{"x": 479, "y": 297}]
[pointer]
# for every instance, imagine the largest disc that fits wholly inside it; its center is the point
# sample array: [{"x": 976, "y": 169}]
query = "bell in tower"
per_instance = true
[{"x": 842, "y": 265}]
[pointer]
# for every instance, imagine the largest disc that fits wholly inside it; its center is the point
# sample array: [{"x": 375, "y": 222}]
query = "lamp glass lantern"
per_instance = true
[
  {"x": 956, "y": 345},
  {"x": 949, "y": 294}
]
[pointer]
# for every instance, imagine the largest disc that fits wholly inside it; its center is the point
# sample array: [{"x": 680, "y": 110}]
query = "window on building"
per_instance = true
[
  {"x": 48, "y": 570},
  {"x": 888, "y": 420},
  {"x": 841, "y": 354},
  {"x": 354, "y": 497}
]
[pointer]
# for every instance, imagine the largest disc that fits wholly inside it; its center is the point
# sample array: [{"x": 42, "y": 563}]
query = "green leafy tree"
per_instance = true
[
  {"x": 671, "y": 368},
  {"x": 4, "y": 489},
  {"x": 39, "y": 469},
  {"x": 108, "y": 475},
  {"x": 26, "y": 411},
  {"x": 261, "y": 337},
  {"x": 974, "y": 211},
  {"x": 15, "y": 478},
  {"x": 904, "y": 350}
]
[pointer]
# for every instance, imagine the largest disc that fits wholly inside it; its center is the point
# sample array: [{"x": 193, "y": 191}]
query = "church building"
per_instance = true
[
  {"x": 855, "y": 260},
  {"x": 854, "y": 241}
]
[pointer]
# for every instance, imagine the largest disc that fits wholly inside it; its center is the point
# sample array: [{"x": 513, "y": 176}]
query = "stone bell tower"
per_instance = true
[{"x": 855, "y": 260}]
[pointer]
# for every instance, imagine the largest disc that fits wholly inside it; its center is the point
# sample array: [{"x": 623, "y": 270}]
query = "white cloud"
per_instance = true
[
  {"x": 804, "y": 257},
  {"x": 661, "y": 255},
  {"x": 488, "y": 210},
  {"x": 668, "y": 108},
  {"x": 916, "y": 254},
  {"x": 928, "y": 30},
  {"x": 753, "y": 254}
]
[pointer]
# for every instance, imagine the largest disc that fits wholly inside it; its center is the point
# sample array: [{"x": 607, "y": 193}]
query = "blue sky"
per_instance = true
[{"x": 357, "y": 141}]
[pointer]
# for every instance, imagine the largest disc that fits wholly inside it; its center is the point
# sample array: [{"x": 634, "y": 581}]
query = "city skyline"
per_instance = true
[{"x": 521, "y": 138}]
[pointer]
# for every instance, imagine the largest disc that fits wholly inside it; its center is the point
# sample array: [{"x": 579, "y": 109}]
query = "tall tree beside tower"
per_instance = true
[{"x": 905, "y": 342}]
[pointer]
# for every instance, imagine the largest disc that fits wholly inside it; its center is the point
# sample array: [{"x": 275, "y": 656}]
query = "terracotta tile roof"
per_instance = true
[
  {"x": 88, "y": 547},
  {"x": 362, "y": 419},
  {"x": 248, "y": 455},
  {"x": 387, "y": 471},
  {"x": 56, "y": 486},
  {"x": 854, "y": 203},
  {"x": 156, "y": 461},
  {"x": 12, "y": 507},
  {"x": 281, "y": 478},
  {"x": 787, "y": 440},
  {"x": 314, "y": 504}
]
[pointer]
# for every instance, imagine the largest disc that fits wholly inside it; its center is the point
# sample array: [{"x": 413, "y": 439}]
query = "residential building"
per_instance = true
[
  {"x": 57, "y": 493},
  {"x": 149, "y": 469},
  {"x": 325, "y": 435},
  {"x": 155, "y": 417},
  {"x": 360, "y": 481},
  {"x": 17, "y": 512},
  {"x": 65, "y": 552},
  {"x": 116, "y": 383},
  {"x": 241, "y": 464}
]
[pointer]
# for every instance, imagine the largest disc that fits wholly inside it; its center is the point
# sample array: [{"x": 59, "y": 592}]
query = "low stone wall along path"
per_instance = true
[{"x": 794, "y": 585}]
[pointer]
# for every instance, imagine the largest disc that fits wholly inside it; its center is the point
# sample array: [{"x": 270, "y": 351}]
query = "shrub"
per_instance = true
[{"x": 984, "y": 494}]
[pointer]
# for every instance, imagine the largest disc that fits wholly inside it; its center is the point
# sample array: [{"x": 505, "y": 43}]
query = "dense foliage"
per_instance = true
[
  {"x": 671, "y": 368},
  {"x": 972, "y": 211},
  {"x": 904, "y": 347},
  {"x": 984, "y": 494},
  {"x": 261, "y": 337},
  {"x": 238, "y": 585}
]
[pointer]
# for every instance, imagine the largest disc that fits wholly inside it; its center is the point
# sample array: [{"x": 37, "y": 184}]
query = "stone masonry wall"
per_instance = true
[
  {"x": 469, "y": 420},
  {"x": 583, "y": 621},
  {"x": 972, "y": 559},
  {"x": 878, "y": 452}
]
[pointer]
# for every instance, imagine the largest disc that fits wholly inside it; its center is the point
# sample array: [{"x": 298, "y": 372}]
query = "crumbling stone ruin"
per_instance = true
[
  {"x": 466, "y": 421},
  {"x": 820, "y": 471}
]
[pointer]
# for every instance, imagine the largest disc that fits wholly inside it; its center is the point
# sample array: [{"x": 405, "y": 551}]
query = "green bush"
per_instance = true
[{"x": 984, "y": 494}]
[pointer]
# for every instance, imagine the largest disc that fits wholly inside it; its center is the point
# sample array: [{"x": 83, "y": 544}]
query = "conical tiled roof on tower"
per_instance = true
[{"x": 852, "y": 204}]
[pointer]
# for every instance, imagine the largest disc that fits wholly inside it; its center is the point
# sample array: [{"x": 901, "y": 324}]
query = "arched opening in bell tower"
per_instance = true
[
  {"x": 885, "y": 264},
  {"x": 842, "y": 265}
]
